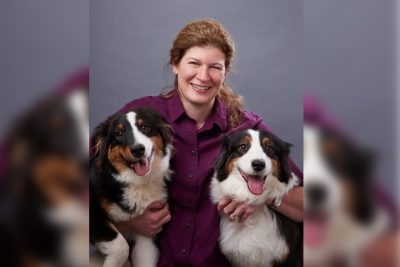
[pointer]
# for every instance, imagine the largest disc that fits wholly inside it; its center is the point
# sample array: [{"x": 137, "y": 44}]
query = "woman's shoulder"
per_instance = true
[
  {"x": 253, "y": 120},
  {"x": 252, "y": 117}
]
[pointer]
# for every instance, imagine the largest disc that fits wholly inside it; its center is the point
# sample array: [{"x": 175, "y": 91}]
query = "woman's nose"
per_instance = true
[{"x": 203, "y": 74}]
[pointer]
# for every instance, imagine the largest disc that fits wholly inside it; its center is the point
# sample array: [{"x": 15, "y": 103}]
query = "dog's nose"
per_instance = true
[
  {"x": 316, "y": 193},
  {"x": 258, "y": 165},
  {"x": 137, "y": 150}
]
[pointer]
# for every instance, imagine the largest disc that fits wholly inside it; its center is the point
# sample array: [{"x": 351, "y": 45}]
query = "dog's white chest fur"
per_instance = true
[
  {"x": 138, "y": 196},
  {"x": 254, "y": 243}
]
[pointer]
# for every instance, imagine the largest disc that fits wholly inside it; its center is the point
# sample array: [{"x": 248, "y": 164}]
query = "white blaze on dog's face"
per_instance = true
[
  {"x": 142, "y": 147},
  {"x": 253, "y": 166}
]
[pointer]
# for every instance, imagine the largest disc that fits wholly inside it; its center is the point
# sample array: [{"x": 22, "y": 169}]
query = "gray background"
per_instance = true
[
  {"x": 42, "y": 43},
  {"x": 350, "y": 51},
  {"x": 130, "y": 41},
  {"x": 349, "y": 58}
]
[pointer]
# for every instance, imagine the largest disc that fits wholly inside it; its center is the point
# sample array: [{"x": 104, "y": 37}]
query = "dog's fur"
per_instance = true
[
  {"x": 340, "y": 216},
  {"x": 43, "y": 221},
  {"x": 128, "y": 171},
  {"x": 253, "y": 167}
]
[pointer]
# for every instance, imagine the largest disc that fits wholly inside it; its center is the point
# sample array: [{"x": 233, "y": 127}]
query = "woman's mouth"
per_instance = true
[{"x": 200, "y": 88}]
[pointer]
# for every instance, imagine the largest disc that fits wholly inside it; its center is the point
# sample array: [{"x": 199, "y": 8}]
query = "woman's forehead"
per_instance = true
[{"x": 211, "y": 54}]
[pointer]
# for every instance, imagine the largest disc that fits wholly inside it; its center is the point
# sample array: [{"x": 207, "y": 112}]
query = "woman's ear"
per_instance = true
[{"x": 174, "y": 69}]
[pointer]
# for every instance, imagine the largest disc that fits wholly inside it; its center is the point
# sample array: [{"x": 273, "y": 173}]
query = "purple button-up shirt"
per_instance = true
[{"x": 191, "y": 237}]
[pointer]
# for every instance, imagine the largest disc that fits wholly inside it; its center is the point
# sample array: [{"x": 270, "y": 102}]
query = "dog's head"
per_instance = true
[
  {"x": 253, "y": 165},
  {"x": 336, "y": 182},
  {"x": 133, "y": 143}
]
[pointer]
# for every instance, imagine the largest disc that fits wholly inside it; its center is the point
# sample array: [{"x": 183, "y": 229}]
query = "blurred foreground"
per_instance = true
[
  {"x": 43, "y": 186},
  {"x": 350, "y": 220}
]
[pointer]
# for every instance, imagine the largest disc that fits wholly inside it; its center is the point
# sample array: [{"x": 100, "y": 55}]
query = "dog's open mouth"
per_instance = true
[
  {"x": 255, "y": 183},
  {"x": 315, "y": 228},
  {"x": 142, "y": 166}
]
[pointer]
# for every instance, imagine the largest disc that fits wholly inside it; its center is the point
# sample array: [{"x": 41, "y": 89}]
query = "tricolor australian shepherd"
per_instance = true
[
  {"x": 253, "y": 167},
  {"x": 340, "y": 215},
  {"x": 128, "y": 171},
  {"x": 43, "y": 218}
]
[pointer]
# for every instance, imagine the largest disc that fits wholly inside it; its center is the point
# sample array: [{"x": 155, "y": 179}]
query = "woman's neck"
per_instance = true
[{"x": 199, "y": 113}]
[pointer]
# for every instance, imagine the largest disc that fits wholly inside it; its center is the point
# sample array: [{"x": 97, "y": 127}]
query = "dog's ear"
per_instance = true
[
  {"x": 166, "y": 132},
  {"x": 98, "y": 141},
  {"x": 285, "y": 170},
  {"x": 284, "y": 147},
  {"x": 362, "y": 169},
  {"x": 220, "y": 163}
]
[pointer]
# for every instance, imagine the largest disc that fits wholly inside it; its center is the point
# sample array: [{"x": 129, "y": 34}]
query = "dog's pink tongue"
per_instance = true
[
  {"x": 256, "y": 184},
  {"x": 141, "y": 167},
  {"x": 314, "y": 232}
]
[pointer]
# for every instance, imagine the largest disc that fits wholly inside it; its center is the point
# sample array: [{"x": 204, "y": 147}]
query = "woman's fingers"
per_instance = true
[{"x": 222, "y": 203}]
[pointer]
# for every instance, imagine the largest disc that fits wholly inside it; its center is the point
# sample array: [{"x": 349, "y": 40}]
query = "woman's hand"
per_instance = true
[
  {"x": 151, "y": 221},
  {"x": 291, "y": 206},
  {"x": 235, "y": 210}
]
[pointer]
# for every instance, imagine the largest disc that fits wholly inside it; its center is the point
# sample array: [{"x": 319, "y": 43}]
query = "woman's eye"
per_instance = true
[
  {"x": 216, "y": 67},
  {"x": 193, "y": 63}
]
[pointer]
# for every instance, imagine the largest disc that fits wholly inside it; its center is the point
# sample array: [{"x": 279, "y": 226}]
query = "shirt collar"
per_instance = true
[
  {"x": 218, "y": 114},
  {"x": 175, "y": 106}
]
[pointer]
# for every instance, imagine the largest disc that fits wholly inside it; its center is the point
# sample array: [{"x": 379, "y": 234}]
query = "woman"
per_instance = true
[{"x": 200, "y": 108}]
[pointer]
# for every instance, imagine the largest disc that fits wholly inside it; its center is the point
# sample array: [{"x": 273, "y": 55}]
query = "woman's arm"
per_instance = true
[{"x": 291, "y": 205}]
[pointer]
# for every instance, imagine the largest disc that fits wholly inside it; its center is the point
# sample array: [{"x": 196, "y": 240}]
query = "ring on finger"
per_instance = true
[{"x": 235, "y": 217}]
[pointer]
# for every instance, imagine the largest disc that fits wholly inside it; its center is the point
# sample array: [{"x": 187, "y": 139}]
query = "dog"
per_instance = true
[
  {"x": 340, "y": 215},
  {"x": 43, "y": 216},
  {"x": 253, "y": 167},
  {"x": 128, "y": 170}
]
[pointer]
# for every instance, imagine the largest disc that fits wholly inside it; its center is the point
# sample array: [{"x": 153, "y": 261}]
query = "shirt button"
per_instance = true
[
  {"x": 187, "y": 225},
  {"x": 190, "y": 175},
  {"x": 183, "y": 251},
  {"x": 193, "y": 153}
]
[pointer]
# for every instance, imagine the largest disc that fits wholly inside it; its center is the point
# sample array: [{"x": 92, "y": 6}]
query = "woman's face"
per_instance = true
[{"x": 201, "y": 73}]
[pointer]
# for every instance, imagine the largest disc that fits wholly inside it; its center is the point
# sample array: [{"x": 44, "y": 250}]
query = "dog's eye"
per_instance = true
[
  {"x": 270, "y": 149},
  {"x": 145, "y": 128},
  {"x": 243, "y": 147},
  {"x": 119, "y": 133}
]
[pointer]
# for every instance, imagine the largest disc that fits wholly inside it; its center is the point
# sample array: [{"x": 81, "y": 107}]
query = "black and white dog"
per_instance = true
[
  {"x": 128, "y": 171},
  {"x": 340, "y": 216},
  {"x": 253, "y": 167}
]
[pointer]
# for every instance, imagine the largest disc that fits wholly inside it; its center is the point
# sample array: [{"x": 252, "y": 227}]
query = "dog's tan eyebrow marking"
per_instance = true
[
  {"x": 329, "y": 145},
  {"x": 247, "y": 139},
  {"x": 140, "y": 122},
  {"x": 120, "y": 127},
  {"x": 266, "y": 141}
]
